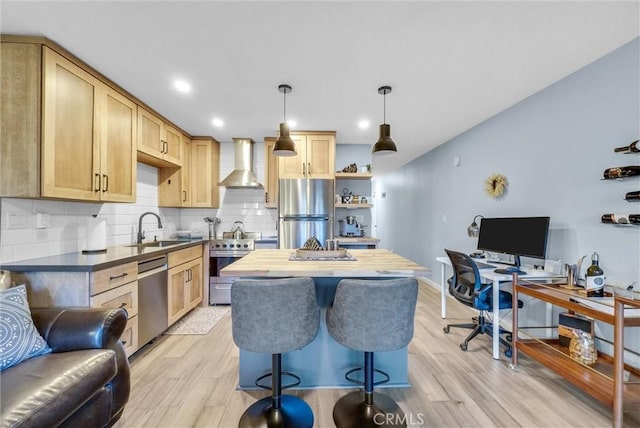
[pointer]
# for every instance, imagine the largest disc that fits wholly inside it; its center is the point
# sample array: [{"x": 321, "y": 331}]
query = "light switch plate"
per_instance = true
[{"x": 43, "y": 221}]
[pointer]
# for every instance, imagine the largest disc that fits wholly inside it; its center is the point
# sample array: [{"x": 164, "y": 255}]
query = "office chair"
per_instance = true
[{"x": 466, "y": 287}]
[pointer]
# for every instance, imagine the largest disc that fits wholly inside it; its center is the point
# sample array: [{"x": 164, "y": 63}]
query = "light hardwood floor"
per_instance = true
[{"x": 189, "y": 381}]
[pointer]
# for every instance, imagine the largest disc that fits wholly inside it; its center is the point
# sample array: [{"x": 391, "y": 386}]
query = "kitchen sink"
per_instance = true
[{"x": 166, "y": 243}]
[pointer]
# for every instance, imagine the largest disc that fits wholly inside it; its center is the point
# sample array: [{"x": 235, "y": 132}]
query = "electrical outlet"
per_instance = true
[{"x": 16, "y": 221}]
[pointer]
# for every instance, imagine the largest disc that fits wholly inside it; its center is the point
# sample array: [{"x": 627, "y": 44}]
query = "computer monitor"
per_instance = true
[{"x": 518, "y": 236}]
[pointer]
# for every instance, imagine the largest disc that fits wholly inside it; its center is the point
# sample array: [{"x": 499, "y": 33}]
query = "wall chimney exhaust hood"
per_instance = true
[{"x": 242, "y": 175}]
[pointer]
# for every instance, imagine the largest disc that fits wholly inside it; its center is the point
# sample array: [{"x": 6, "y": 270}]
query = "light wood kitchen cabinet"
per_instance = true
[
  {"x": 174, "y": 184},
  {"x": 65, "y": 133},
  {"x": 159, "y": 144},
  {"x": 185, "y": 173},
  {"x": 270, "y": 174},
  {"x": 205, "y": 172},
  {"x": 113, "y": 287},
  {"x": 195, "y": 184},
  {"x": 315, "y": 158},
  {"x": 185, "y": 281}
]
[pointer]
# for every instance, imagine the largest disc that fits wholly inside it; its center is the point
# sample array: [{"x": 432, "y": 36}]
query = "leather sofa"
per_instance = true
[{"x": 84, "y": 382}]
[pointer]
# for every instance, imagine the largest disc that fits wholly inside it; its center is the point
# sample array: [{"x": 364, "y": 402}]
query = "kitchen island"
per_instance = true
[{"x": 323, "y": 362}]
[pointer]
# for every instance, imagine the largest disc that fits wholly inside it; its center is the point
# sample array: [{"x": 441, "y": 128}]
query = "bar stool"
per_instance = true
[
  {"x": 371, "y": 316},
  {"x": 272, "y": 317}
]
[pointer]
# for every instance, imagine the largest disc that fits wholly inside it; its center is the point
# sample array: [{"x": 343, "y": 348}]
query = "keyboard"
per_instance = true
[{"x": 484, "y": 265}]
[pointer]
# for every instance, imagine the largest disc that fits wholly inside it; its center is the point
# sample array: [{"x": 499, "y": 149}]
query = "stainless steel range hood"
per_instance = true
[{"x": 242, "y": 175}]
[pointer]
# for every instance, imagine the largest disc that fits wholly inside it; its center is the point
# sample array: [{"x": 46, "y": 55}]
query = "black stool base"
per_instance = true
[
  {"x": 293, "y": 413},
  {"x": 351, "y": 411}
]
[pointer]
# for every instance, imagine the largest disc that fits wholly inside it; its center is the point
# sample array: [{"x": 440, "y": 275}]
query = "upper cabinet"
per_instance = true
[
  {"x": 159, "y": 144},
  {"x": 315, "y": 158},
  {"x": 195, "y": 183},
  {"x": 65, "y": 134},
  {"x": 270, "y": 174},
  {"x": 205, "y": 172}
]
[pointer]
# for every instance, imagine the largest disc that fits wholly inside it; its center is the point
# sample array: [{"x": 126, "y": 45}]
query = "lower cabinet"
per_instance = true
[
  {"x": 185, "y": 282},
  {"x": 123, "y": 296},
  {"x": 113, "y": 287}
]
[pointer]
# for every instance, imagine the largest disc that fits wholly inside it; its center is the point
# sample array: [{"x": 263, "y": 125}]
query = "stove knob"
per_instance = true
[
  {"x": 238, "y": 246},
  {"x": 246, "y": 245},
  {"x": 224, "y": 245},
  {"x": 217, "y": 245}
]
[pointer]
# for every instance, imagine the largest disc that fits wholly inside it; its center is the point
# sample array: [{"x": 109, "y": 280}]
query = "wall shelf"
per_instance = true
[
  {"x": 354, "y": 175},
  {"x": 353, "y": 206}
]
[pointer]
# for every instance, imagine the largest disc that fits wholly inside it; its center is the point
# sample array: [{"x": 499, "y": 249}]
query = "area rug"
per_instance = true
[{"x": 199, "y": 321}]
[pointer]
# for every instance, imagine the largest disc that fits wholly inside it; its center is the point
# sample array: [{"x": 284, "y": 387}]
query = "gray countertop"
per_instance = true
[{"x": 79, "y": 262}]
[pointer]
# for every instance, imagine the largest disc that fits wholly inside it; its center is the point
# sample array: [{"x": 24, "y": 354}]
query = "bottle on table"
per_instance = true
[{"x": 594, "y": 278}]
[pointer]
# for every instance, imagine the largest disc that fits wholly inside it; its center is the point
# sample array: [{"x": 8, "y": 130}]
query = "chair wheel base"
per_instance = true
[
  {"x": 351, "y": 411},
  {"x": 293, "y": 413}
]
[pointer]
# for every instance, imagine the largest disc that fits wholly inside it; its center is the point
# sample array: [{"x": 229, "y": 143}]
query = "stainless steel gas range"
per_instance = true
[{"x": 222, "y": 253}]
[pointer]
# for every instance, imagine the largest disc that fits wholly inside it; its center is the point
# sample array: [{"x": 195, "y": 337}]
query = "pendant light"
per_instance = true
[
  {"x": 385, "y": 145},
  {"x": 284, "y": 145}
]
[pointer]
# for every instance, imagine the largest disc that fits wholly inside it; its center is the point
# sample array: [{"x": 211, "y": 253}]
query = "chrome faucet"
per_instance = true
[{"x": 140, "y": 232}]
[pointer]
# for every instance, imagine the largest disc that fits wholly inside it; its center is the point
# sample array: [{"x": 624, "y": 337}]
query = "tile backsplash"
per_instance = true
[{"x": 20, "y": 238}]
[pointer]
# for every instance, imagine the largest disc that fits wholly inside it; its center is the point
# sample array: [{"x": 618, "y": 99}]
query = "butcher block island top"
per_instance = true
[{"x": 368, "y": 263}]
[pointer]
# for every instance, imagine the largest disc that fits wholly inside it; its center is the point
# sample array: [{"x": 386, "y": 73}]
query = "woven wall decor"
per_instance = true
[{"x": 495, "y": 185}]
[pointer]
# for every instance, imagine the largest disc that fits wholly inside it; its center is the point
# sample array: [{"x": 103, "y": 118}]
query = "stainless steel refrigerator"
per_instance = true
[{"x": 305, "y": 209}]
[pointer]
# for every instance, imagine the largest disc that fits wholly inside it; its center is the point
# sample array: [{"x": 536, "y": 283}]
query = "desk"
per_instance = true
[
  {"x": 496, "y": 279},
  {"x": 323, "y": 362}
]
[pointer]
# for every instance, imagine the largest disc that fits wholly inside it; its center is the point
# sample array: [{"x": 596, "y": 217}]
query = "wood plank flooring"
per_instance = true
[{"x": 189, "y": 381}]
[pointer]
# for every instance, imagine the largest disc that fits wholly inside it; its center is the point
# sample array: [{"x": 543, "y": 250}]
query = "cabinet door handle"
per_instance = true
[
  {"x": 96, "y": 182},
  {"x": 309, "y": 168},
  {"x": 184, "y": 199},
  {"x": 165, "y": 147},
  {"x": 124, "y": 342},
  {"x": 304, "y": 170},
  {"x": 111, "y": 278},
  {"x": 266, "y": 197},
  {"x": 105, "y": 180},
  {"x": 123, "y": 305}
]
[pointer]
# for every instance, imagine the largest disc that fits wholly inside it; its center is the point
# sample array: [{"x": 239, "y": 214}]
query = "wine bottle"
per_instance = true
[
  {"x": 631, "y": 148},
  {"x": 633, "y": 196},
  {"x": 594, "y": 278},
  {"x": 615, "y": 218},
  {"x": 634, "y": 218},
  {"x": 622, "y": 171}
]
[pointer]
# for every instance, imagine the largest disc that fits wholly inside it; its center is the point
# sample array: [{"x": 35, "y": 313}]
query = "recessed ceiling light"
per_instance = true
[
  {"x": 363, "y": 124},
  {"x": 292, "y": 123},
  {"x": 182, "y": 86},
  {"x": 217, "y": 122}
]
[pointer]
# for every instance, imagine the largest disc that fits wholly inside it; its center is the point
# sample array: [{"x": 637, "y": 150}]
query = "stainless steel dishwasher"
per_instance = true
[{"x": 153, "y": 305}]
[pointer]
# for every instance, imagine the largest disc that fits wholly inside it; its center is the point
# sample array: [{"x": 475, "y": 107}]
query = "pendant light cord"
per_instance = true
[
  {"x": 284, "y": 95},
  {"x": 384, "y": 107}
]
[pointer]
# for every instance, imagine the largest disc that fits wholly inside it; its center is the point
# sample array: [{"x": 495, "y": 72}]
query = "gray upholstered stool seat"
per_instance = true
[
  {"x": 274, "y": 316},
  {"x": 371, "y": 316}
]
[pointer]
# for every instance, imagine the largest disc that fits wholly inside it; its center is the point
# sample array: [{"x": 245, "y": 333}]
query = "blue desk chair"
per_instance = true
[{"x": 466, "y": 287}]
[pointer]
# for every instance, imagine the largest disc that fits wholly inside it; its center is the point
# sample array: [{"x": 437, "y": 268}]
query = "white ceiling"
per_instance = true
[{"x": 452, "y": 65}]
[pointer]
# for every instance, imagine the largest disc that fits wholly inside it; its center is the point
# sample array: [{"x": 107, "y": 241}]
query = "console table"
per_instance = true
[{"x": 605, "y": 379}]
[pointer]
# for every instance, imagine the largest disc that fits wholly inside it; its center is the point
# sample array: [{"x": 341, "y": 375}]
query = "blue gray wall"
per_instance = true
[{"x": 553, "y": 148}]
